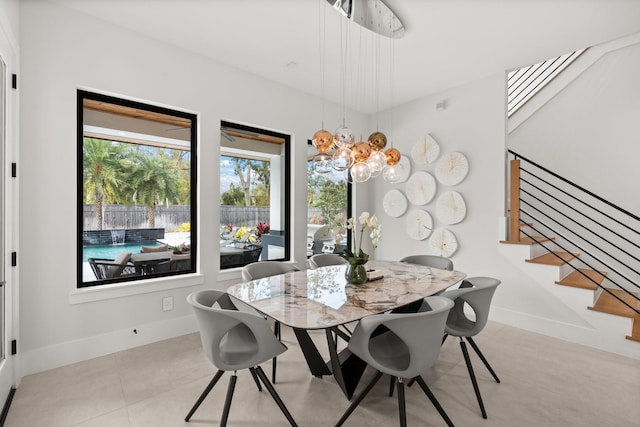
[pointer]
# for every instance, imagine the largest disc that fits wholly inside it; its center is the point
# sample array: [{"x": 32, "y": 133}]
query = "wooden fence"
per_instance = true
[
  {"x": 130, "y": 217},
  {"x": 170, "y": 217}
]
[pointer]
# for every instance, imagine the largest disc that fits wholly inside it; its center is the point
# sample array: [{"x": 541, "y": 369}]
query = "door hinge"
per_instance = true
[
  {"x": 14, "y": 81},
  {"x": 14, "y": 170},
  {"x": 14, "y": 347},
  {"x": 14, "y": 259}
]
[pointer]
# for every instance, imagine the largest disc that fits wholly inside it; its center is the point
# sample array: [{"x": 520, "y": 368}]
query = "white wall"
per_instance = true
[
  {"x": 64, "y": 50},
  {"x": 592, "y": 129}
]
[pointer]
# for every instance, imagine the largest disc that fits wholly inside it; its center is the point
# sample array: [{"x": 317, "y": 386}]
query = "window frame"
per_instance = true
[{"x": 83, "y": 95}]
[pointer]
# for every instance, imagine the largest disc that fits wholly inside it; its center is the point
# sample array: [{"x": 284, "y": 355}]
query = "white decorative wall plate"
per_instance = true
[
  {"x": 425, "y": 150},
  {"x": 450, "y": 207},
  {"x": 452, "y": 168},
  {"x": 419, "y": 224},
  {"x": 394, "y": 203},
  {"x": 443, "y": 242},
  {"x": 421, "y": 188}
]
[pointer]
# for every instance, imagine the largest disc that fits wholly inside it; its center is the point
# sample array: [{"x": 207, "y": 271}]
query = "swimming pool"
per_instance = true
[{"x": 112, "y": 251}]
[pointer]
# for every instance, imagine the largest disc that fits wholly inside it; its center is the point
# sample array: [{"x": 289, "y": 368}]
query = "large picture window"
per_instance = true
[
  {"x": 136, "y": 190},
  {"x": 254, "y": 195},
  {"x": 328, "y": 195}
]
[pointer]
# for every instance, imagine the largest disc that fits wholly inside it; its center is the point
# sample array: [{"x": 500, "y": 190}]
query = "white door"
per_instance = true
[{"x": 8, "y": 212}]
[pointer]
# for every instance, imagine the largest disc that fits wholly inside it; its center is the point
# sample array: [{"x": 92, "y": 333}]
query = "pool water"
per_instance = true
[{"x": 112, "y": 251}]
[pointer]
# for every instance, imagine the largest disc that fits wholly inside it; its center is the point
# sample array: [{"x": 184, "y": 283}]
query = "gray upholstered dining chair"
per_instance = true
[
  {"x": 434, "y": 261},
  {"x": 476, "y": 293},
  {"x": 403, "y": 345},
  {"x": 260, "y": 270},
  {"x": 233, "y": 340},
  {"x": 323, "y": 260}
]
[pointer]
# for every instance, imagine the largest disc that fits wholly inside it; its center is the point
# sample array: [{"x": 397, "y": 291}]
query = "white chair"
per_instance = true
[
  {"x": 260, "y": 270},
  {"x": 323, "y": 260},
  {"x": 234, "y": 340},
  {"x": 476, "y": 293},
  {"x": 434, "y": 261},
  {"x": 402, "y": 345}
]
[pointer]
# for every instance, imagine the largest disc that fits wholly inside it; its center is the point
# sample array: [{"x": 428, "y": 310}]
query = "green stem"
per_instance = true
[{"x": 361, "y": 234}]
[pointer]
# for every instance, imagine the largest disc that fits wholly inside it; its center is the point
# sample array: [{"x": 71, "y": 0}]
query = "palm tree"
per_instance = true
[
  {"x": 153, "y": 180},
  {"x": 102, "y": 172}
]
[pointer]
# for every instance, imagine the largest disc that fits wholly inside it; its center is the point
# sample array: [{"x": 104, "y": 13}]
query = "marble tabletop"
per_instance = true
[{"x": 321, "y": 298}]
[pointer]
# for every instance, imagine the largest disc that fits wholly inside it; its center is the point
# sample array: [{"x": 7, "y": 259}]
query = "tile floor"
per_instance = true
[{"x": 545, "y": 382}]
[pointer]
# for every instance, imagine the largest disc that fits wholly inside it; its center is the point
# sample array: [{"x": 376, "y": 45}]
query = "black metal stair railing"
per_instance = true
[{"x": 563, "y": 215}]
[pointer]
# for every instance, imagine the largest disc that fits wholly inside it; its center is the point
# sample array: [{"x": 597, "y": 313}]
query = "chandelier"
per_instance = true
[{"x": 339, "y": 151}]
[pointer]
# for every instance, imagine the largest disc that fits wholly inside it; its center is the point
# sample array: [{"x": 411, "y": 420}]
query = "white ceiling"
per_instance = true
[{"x": 447, "y": 43}]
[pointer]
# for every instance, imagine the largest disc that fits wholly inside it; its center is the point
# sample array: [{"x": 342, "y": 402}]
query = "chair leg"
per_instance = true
[
  {"x": 274, "y": 395},
  {"x": 481, "y": 356},
  {"x": 204, "y": 394},
  {"x": 255, "y": 378},
  {"x": 392, "y": 383},
  {"x": 467, "y": 360},
  {"x": 402, "y": 410},
  {"x": 278, "y": 332},
  {"x": 444, "y": 338},
  {"x": 227, "y": 400},
  {"x": 358, "y": 399},
  {"x": 433, "y": 400}
]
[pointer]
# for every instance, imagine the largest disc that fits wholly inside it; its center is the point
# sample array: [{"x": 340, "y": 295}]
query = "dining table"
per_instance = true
[{"x": 321, "y": 299}]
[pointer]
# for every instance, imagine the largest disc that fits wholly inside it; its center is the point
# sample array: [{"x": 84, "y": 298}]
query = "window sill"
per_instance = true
[{"x": 104, "y": 292}]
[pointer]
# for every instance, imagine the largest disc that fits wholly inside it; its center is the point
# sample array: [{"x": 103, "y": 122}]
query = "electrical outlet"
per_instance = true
[{"x": 167, "y": 303}]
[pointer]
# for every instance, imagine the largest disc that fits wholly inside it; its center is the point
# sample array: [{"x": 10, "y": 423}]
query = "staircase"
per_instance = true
[
  {"x": 611, "y": 301},
  {"x": 585, "y": 249}
]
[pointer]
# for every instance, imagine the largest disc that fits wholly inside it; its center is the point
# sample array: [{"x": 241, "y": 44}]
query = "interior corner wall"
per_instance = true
[
  {"x": 473, "y": 123},
  {"x": 63, "y": 50},
  {"x": 588, "y": 133}
]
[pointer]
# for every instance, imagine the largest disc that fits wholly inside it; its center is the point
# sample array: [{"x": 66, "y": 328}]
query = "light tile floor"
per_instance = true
[{"x": 544, "y": 382}]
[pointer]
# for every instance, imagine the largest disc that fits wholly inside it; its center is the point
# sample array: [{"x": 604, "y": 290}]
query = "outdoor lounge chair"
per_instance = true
[{"x": 113, "y": 268}]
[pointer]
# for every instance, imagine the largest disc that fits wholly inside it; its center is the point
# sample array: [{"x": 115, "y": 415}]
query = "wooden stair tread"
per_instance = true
[
  {"x": 528, "y": 240},
  {"x": 635, "y": 330},
  {"x": 577, "y": 279},
  {"x": 553, "y": 258},
  {"x": 609, "y": 304}
]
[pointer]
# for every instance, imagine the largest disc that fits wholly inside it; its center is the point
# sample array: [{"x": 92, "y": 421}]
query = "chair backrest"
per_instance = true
[
  {"x": 232, "y": 339},
  {"x": 477, "y": 293},
  {"x": 258, "y": 270},
  {"x": 411, "y": 344},
  {"x": 107, "y": 268},
  {"x": 434, "y": 261},
  {"x": 252, "y": 253},
  {"x": 323, "y": 260}
]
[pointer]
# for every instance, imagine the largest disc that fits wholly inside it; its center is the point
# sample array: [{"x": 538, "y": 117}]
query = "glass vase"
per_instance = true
[{"x": 356, "y": 274}]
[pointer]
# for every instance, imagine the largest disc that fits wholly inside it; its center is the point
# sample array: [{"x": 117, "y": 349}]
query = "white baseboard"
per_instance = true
[
  {"x": 62, "y": 354},
  {"x": 578, "y": 334}
]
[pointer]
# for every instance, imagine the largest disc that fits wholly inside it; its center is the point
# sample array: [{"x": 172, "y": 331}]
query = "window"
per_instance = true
[
  {"x": 136, "y": 190},
  {"x": 254, "y": 195},
  {"x": 327, "y": 196}
]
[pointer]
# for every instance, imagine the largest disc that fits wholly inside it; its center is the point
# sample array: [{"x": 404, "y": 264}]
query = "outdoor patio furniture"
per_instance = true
[{"x": 112, "y": 268}]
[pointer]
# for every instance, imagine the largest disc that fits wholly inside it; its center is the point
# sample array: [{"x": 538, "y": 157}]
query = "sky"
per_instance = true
[{"x": 227, "y": 175}]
